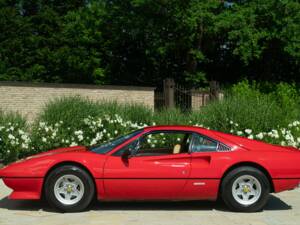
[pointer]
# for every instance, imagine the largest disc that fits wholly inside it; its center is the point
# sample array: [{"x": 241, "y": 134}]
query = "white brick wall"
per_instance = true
[{"x": 28, "y": 98}]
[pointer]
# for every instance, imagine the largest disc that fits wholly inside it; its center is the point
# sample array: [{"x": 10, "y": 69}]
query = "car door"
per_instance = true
[
  {"x": 205, "y": 176},
  {"x": 151, "y": 173}
]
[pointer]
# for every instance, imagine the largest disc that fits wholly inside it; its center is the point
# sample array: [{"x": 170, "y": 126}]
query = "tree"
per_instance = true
[{"x": 142, "y": 42}]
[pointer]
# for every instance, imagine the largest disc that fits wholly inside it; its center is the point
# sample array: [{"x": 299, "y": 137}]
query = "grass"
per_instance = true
[
  {"x": 72, "y": 110},
  {"x": 12, "y": 117}
]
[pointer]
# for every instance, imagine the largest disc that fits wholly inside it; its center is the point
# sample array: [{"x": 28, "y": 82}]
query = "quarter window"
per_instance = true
[{"x": 203, "y": 144}]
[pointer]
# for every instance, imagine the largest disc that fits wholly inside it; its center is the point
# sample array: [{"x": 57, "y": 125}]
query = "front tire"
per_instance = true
[
  {"x": 245, "y": 189},
  {"x": 69, "y": 189}
]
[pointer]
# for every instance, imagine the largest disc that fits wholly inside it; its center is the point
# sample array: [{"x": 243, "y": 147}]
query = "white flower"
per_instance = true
[
  {"x": 24, "y": 146},
  {"x": 239, "y": 133},
  {"x": 116, "y": 132},
  {"x": 11, "y": 137},
  {"x": 248, "y": 131},
  {"x": 42, "y": 124},
  {"x": 93, "y": 142},
  {"x": 78, "y": 132},
  {"x": 250, "y": 136},
  {"x": 73, "y": 144},
  {"x": 260, "y": 136},
  {"x": 44, "y": 139},
  {"x": 24, "y": 137}
]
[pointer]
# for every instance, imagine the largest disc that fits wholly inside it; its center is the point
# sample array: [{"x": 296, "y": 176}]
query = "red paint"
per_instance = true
[
  {"x": 24, "y": 188},
  {"x": 151, "y": 177},
  {"x": 285, "y": 184},
  {"x": 176, "y": 177}
]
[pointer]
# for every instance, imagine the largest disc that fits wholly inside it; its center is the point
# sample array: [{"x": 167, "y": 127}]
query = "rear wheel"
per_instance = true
[
  {"x": 69, "y": 188},
  {"x": 245, "y": 189}
]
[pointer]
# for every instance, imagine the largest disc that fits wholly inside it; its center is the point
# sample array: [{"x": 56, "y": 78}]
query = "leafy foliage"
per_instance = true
[
  {"x": 142, "y": 41},
  {"x": 245, "y": 111}
]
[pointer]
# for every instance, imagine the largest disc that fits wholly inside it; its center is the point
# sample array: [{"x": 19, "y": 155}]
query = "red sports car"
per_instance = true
[{"x": 158, "y": 163}]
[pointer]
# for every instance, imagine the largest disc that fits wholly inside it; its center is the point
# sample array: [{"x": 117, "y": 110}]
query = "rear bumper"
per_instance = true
[
  {"x": 24, "y": 188},
  {"x": 286, "y": 184}
]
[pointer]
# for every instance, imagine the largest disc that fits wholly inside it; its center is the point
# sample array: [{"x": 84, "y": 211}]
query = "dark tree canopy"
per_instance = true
[{"x": 141, "y": 42}]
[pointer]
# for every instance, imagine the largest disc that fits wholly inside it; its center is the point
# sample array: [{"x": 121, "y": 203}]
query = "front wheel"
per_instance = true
[
  {"x": 245, "y": 189},
  {"x": 69, "y": 188}
]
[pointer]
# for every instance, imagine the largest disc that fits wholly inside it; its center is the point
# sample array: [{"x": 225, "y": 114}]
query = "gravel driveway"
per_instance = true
[{"x": 283, "y": 208}]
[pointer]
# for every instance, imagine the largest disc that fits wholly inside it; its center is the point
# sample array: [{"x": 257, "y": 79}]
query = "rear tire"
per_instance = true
[
  {"x": 245, "y": 189},
  {"x": 69, "y": 189}
]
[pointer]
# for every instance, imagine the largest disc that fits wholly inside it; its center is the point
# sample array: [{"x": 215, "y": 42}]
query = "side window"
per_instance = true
[
  {"x": 164, "y": 143},
  {"x": 203, "y": 144}
]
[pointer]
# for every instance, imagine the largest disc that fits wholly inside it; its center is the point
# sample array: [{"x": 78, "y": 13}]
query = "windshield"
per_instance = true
[{"x": 108, "y": 146}]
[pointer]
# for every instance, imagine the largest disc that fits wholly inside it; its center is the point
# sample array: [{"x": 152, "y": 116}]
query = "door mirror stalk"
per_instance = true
[{"x": 126, "y": 154}]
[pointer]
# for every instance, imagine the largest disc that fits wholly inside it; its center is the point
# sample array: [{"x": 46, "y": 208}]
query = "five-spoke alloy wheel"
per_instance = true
[
  {"x": 69, "y": 188},
  {"x": 245, "y": 189}
]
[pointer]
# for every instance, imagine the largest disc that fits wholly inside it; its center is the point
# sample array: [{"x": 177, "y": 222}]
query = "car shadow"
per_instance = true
[{"x": 274, "y": 203}]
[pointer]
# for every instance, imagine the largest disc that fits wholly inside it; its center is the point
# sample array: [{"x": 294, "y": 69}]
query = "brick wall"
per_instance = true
[{"x": 29, "y": 98}]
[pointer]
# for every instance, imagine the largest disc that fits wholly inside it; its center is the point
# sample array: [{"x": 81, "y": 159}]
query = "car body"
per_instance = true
[{"x": 194, "y": 174}]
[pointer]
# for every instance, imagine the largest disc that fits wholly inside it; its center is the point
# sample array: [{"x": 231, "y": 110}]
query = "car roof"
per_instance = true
[
  {"x": 201, "y": 130},
  {"x": 175, "y": 127}
]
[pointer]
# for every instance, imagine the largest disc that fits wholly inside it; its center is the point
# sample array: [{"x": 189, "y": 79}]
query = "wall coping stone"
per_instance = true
[{"x": 77, "y": 86}]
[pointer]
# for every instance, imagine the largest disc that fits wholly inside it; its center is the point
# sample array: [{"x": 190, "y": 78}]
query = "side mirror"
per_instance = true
[{"x": 126, "y": 154}]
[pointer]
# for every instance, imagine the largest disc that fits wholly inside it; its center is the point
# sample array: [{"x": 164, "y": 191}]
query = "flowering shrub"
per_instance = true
[
  {"x": 14, "y": 138},
  {"x": 94, "y": 130},
  {"x": 15, "y": 142},
  {"x": 77, "y": 121},
  {"x": 286, "y": 136}
]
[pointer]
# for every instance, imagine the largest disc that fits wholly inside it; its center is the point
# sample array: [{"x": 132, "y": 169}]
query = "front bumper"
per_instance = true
[{"x": 24, "y": 188}]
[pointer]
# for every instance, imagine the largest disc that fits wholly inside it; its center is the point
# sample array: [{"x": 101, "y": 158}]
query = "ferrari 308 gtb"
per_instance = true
[{"x": 158, "y": 163}]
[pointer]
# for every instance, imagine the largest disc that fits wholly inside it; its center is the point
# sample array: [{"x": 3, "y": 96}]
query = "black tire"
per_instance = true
[
  {"x": 228, "y": 182},
  {"x": 88, "y": 193}
]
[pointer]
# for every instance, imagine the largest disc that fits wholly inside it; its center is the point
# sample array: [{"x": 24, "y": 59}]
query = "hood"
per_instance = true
[
  {"x": 49, "y": 153},
  {"x": 253, "y": 145},
  {"x": 58, "y": 151}
]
